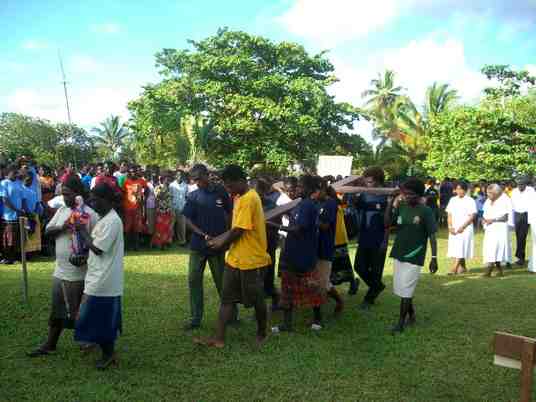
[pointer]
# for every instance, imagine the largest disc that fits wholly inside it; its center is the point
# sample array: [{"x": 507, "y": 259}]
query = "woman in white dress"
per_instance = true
[
  {"x": 497, "y": 212},
  {"x": 461, "y": 212}
]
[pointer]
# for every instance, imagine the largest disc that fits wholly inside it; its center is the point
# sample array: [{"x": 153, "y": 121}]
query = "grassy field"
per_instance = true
[{"x": 447, "y": 357}]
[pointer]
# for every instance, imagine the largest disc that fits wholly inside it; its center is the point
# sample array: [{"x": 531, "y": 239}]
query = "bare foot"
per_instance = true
[
  {"x": 210, "y": 342},
  {"x": 261, "y": 340}
]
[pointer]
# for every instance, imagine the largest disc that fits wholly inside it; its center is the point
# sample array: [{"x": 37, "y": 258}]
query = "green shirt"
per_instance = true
[{"x": 414, "y": 226}]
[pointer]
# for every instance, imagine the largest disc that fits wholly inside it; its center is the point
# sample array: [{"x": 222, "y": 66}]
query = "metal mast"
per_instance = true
[{"x": 64, "y": 82}]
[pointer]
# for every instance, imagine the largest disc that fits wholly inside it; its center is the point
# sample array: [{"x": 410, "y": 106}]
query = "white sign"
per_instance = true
[{"x": 334, "y": 165}]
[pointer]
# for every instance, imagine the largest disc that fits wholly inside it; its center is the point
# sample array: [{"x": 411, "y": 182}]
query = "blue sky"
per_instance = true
[{"x": 108, "y": 46}]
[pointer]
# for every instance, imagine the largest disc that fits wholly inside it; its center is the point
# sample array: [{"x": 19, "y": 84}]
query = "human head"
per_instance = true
[
  {"x": 103, "y": 198},
  {"x": 123, "y": 167},
  {"x": 108, "y": 168},
  {"x": 263, "y": 187},
  {"x": 374, "y": 177},
  {"x": 494, "y": 191},
  {"x": 308, "y": 187},
  {"x": 522, "y": 183},
  {"x": 412, "y": 190},
  {"x": 290, "y": 185},
  {"x": 12, "y": 171},
  {"x": 71, "y": 188},
  {"x": 461, "y": 188},
  {"x": 199, "y": 176},
  {"x": 235, "y": 179},
  {"x": 132, "y": 172}
]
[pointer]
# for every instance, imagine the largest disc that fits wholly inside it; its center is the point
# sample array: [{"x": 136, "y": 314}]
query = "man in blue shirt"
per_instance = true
[
  {"x": 207, "y": 214},
  {"x": 14, "y": 206},
  {"x": 372, "y": 244}
]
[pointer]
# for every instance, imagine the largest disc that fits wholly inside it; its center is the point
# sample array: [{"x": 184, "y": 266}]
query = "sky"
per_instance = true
[{"x": 108, "y": 47}]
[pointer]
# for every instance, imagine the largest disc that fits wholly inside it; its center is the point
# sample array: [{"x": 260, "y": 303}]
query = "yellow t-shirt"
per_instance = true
[
  {"x": 341, "y": 235},
  {"x": 249, "y": 251}
]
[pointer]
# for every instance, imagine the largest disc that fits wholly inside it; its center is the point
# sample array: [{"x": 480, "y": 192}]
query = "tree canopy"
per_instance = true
[{"x": 254, "y": 101}]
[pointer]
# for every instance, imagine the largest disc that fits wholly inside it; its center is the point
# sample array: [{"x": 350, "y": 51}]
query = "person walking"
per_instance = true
[
  {"x": 100, "y": 316},
  {"x": 461, "y": 213},
  {"x": 522, "y": 196},
  {"x": 207, "y": 215}
]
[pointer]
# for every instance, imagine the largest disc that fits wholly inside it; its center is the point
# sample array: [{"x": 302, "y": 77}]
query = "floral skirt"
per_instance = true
[
  {"x": 301, "y": 290},
  {"x": 163, "y": 229}
]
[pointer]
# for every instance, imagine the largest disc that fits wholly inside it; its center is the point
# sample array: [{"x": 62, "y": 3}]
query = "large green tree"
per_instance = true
[
  {"x": 257, "y": 101},
  {"x": 492, "y": 140},
  {"x": 52, "y": 144},
  {"x": 509, "y": 81}
]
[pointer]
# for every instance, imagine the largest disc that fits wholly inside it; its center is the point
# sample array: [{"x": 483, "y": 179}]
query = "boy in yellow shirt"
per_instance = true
[{"x": 246, "y": 260}]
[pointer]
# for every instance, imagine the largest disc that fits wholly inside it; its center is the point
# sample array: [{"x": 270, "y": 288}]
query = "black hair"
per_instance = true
[
  {"x": 199, "y": 169},
  {"x": 376, "y": 173},
  {"x": 310, "y": 184},
  {"x": 233, "y": 173},
  {"x": 463, "y": 184},
  {"x": 290, "y": 181},
  {"x": 104, "y": 191},
  {"x": 262, "y": 185},
  {"x": 12, "y": 168},
  {"x": 75, "y": 184},
  {"x": 415, "y": 185}
]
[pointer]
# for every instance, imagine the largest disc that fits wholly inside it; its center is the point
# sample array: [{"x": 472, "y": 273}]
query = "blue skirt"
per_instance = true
[{"x": 100, "y": 320}]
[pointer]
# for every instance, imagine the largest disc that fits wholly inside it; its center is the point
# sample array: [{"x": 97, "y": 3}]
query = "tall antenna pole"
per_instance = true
[{"x": 64, "y": 82}]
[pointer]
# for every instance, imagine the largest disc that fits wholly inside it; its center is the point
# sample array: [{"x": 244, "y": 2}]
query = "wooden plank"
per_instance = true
[
  {"x": 281, "y": 210},
  {"x": 527, "y": 369},
  {"x": 22, "y": 233},
  {"x": 507, "y": 362},
  {"x": 369, "y": 190},
  {"x": 510, "y": 346},
  {"x": 347, "y": 181}
]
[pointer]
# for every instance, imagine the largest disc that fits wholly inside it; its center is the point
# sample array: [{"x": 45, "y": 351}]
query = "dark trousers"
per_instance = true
[
  {"x": 269, "y": 275},
  {"x": 522, "y": 230},
  {"x": 369, "y": 263}
]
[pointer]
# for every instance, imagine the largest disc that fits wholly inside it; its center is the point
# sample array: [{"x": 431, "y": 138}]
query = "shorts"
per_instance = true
[
  {"x": 65, "y": 293},
  {"x": 242, "y": 286},
  {"x": 405, "y": 278}
]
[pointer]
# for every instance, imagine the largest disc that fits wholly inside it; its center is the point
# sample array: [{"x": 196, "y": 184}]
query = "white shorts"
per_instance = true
[{"x": 405, "y": 278}]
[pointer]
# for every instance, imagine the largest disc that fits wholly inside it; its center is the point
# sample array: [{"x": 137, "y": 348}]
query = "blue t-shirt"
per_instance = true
[
  {"x": 36, "y": 185},
  {"x": 32, "y": 203},
  {"x": 209, "y": 209},
  {"x": 326, "y": 238},
  {"x": 372, "y": 212},
  {"x": 86, "y": 180},
  {"x": 301, "y": 248},
  {"x": 11, "y": 190}
]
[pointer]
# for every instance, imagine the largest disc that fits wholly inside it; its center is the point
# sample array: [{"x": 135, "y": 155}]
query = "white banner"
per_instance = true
[{"x": 334, "y": 165}]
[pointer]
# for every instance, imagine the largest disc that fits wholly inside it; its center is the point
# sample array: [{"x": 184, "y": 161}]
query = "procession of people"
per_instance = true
[{"x": 91, "y": 218}]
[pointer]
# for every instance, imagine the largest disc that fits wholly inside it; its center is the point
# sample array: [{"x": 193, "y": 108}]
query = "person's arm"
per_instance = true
[
  {"x": 392, "y": 205},
  {"x": 82, "y": 229},
  {"x": 450, "y": 221},
  {"x": 8, "y": 203},
  {"x": 433, "y": 246},
  {"x": 289, "y": 229},
  {"x": 56, "y": 230},
  {"x": 225, "y": 239},
  {"x": 190, "y": 225},
  {"x": 503, "y": 219},
  {"x": 466, "y": 223}
]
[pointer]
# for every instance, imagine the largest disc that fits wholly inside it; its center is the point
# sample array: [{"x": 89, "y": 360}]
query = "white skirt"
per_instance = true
[
  {"x": 497, "y": 243},
  {"x": 532, "y": 263},
  {"x": 462, "y": 245},
  {"x": 405, "y": 278}
]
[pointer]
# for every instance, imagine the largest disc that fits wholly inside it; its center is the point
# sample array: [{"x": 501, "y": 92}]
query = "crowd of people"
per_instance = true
[{"x": 91, "y": 216}]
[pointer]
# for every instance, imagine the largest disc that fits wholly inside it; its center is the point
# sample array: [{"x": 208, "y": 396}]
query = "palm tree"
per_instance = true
[
  {"x": 110, "y": 136},
  {"x": 439, "y": 97},
  {"x": 383, "y": 93}
]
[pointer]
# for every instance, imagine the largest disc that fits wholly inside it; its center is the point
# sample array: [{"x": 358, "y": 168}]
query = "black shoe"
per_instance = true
[
  {"x": 520, "y": 263},
  {"x": 105, "y": 362},
  {"x": 397, "y": 329},
  {"x": 40, "y": 351},
  {"x": 354, "y": 287},
  {"x": 190, "y": 326}
]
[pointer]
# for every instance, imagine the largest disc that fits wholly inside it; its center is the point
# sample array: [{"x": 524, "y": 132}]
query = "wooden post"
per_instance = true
[
  {"x": 22, "y": 231},
  {"x": 527, "y": 370},
  {"x": 517, "y": 352}
]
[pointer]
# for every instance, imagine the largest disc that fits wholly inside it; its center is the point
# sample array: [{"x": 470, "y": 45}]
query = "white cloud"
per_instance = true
[
  {"x": 416, "y": 66},
  {"x": 531, "y": 68},
  {"x": 35, "y": 44},
  {"x": 106, "y": 28},
  {"x": 82, "y": 64},
  {"x": 88, "y": 105},
  {"x": 338, "y": 20}
]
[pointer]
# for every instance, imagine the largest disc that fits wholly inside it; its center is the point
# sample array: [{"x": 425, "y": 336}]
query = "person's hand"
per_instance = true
[
  {"x": 215, "y": 244},
  {"x": 80, "y": 227},
  {"x": 66, "y": 225},
  {"x": 487, "y": 221},
  {"x": 207, "y": 237},
  {"x": 460, "y": 231},
  {"x": 453, "y": 231},
  {"x": 433, "y": 266}
]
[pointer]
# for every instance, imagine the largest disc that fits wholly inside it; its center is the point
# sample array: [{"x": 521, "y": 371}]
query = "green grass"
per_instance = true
[{"x": 447, "y": 357}]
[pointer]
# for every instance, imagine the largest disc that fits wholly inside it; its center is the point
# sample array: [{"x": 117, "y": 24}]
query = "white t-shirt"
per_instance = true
[
  {"x": 105, "y": 272},
  {"x": 56, "y": 202},
  {"x": 64, "y": 269},
  {"x": 502, "y": 206},
  {"x": 521, "y": 200},
  {"x": 461, "y": 209}
]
